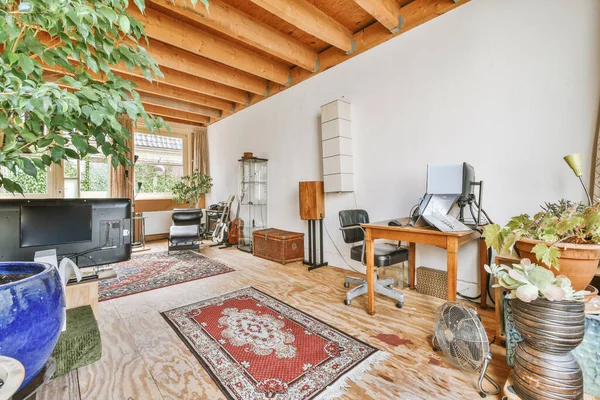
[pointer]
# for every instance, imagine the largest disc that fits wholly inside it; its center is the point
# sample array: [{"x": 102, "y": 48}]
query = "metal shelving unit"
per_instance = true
[{"x": 253, "y": 174}]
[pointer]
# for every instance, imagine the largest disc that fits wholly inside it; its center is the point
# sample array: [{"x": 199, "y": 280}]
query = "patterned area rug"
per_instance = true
[
  {"x": 257, "y": 347},
  {"x": 155, "y": 270}
]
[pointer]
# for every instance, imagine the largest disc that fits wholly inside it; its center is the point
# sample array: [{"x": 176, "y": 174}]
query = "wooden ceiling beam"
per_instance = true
[
  {"x": 196, "y": 84},
  {"x": 228, "y": 20},
  {"x": 165, "y": 90},
  {"x": 191, "y": 81},
  {"x": 176, "y": 33},
  {"x": 166, "y": 112},
  {"x": 387, "y": 12},
  {"x": 192, "y": 64},
  {"x": 310, "y": 19},
  {"x": 158, "y": 100},
  {"x": 154, "y": 88}
]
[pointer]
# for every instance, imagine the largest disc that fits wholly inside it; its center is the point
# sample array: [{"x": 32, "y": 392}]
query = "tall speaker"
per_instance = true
[
  {"x": 312, "y": 208},
  {"x": 312, "y": 200}
]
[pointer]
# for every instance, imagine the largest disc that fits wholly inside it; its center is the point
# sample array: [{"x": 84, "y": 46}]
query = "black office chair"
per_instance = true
[
  {"x": 186, "y": 232},
  {"x": 385, "y": 255}
]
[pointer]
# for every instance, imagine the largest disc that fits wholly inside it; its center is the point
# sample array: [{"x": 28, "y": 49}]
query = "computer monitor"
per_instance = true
[
  {"x": 450, "y": 179},
  {"x": 92, "y": 232}
]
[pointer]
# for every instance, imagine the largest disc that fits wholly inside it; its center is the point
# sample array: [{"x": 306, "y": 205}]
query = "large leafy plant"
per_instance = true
[
  {"x": 79, "y": 41},
  {"x": 191, "y": 188},
  {"x": 527, "y": 282},
  {"x": 562, "y": 222}
]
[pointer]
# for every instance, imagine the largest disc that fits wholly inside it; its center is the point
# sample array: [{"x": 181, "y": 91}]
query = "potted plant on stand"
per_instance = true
[
  {"x": 563, "y": 236},
  {"x": 550, "y": 315},
  {"x": 191, "y": 188}
]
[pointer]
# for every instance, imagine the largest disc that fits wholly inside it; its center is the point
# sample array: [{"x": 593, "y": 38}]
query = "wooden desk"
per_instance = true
[{"x": 451, "y": 241}]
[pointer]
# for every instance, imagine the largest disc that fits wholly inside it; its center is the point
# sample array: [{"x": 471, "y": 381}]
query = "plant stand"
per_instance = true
[{"x": 544, "y": 368}]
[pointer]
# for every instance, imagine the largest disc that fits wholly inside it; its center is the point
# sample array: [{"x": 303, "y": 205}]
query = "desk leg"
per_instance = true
[
  {"x": 369, "y": 250},
  {"x": 412, "y": 263},
  {"x": 482, "y": 272},
  {"x": 452, "y": 249}
]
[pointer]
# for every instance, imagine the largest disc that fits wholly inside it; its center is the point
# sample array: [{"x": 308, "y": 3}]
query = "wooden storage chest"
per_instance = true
[{"x": 278, "y": 245}]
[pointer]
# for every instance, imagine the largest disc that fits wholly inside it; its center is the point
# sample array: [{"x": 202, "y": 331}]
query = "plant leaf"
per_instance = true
[
  {"x": 494, "y": 237},
  {"x": 547, "y": 255}
]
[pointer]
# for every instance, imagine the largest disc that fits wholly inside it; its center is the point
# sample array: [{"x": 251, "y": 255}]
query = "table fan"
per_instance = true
[{"x": 459, "y": 333}]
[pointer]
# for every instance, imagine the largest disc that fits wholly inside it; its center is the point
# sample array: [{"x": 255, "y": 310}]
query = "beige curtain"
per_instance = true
[
  {"x": 121, "y": 178},
  {"x": 200, "y": 150}
]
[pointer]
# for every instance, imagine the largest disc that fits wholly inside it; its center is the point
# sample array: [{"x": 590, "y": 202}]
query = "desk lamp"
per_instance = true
[{"x": 574, "y": 161}]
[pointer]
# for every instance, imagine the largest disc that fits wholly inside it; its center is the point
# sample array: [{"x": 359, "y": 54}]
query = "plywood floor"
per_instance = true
[{"x": 142, "y": 357}]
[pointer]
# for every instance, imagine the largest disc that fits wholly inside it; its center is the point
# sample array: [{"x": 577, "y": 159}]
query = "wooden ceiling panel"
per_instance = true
[
  {"x": 165, "y": 8},
  {"x": 278, "y": 23}
]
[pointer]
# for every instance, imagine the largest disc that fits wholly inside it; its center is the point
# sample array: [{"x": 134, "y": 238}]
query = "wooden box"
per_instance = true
[
  {"x": 312, "y": 200},
  {"x": 278, "y": 245}
]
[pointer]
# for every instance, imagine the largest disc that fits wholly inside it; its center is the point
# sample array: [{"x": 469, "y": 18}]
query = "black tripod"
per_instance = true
[{"x": 312, "y": 245}]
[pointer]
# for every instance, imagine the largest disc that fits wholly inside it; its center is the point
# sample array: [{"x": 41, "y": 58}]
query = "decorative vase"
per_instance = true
[
  {"x": 578, "y": 262},
  {"x": 32, "y": 306},
  {"x": 544, "y": 368}
]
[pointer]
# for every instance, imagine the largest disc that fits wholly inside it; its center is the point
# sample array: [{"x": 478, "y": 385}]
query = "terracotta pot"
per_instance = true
[
  {"x": 593, "y": 293},
  {"x": 544, "y": 368},
  {"x": 578, "y": 262}
]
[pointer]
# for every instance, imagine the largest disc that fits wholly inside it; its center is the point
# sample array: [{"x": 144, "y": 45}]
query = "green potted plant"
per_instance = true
[
  {"x": 550, "y": 315},
  {"x": 191, "y": 188},
  {"x": 563, "y": 236}
]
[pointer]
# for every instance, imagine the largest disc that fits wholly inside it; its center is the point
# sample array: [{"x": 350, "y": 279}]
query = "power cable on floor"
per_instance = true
[{"x": 338, "y": 250}]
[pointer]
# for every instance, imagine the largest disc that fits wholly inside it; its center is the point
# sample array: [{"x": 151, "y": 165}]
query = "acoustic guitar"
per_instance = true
[{"x": 237, "y": 226}]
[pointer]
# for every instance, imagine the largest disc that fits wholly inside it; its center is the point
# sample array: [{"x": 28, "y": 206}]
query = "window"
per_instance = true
[
  {"x": 159, "y": 166},
  {"x": 87, "y": 178},
  {"x": 32, "y": 187}
]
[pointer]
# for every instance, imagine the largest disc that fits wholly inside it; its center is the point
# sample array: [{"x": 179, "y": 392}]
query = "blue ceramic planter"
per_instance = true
[{"x": 31, "y": 314}]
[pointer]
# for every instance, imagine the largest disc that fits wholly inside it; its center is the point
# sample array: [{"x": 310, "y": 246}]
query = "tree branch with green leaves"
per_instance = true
[{"x": 83, "y": 39}]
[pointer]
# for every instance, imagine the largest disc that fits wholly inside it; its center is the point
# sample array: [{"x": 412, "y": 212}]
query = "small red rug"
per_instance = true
[
  {"x": 257, "y": 347},
  {"x": 151, "y": 271}
]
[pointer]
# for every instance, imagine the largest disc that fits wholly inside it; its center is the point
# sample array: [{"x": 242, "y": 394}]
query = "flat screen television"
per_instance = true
[{"x": 91, "y": 232}]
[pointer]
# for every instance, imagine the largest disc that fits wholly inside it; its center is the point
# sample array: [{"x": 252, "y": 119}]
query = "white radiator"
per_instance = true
[{"x": 157, "y": 222}]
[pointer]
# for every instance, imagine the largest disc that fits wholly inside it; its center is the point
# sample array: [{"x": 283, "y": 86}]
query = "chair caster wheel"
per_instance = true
[
  {"x": 347, "y": 302},
  {"x": 346, "y": 284},
  {"x": 399, "y": 304}
]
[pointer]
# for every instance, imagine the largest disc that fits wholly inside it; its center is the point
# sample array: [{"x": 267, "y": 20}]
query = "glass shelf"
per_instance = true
[{"x": 253, "y": 195}]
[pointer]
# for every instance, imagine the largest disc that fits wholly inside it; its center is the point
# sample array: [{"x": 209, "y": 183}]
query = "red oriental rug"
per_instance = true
[
  {"x": 257, "y": 347},
  {"x": 156, "y": 270}
]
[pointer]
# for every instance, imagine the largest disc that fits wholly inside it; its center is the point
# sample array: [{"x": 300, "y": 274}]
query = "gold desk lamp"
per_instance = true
[{"x": 574, "y": 161}]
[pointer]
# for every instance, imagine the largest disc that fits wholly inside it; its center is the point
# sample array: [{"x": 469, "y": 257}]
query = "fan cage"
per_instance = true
[{"x": 461, "y": 336}]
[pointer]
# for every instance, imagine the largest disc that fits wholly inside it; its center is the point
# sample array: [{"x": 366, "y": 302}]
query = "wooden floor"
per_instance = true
[{"x": 143, "y": 358}]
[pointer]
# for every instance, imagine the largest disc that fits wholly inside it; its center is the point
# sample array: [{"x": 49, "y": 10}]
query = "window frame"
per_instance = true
[{"x": 187, "y": 156}]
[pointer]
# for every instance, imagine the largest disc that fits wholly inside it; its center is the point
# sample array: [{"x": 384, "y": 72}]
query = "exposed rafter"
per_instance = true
[
  {"x": 176, "y": 33},
  {"x": 387, "y": 12},
  {"x": 166, "y": 113},
  {"x": 232, "y": 22},
  {"x": 176, "y": 93},
  {"x": 163, "y": 89},
  {"x": 179, "y": 105},
  {"x": 186, "y": 62},
  {"x": 310, "y": 19}
]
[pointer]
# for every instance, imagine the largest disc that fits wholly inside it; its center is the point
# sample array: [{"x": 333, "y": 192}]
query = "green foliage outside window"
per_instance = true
[
  {"x": 157, "y": 182},
  {"x": 29, "y": 184}
]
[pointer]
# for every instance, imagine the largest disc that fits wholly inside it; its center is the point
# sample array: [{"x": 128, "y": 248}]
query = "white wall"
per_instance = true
[{"x": 509, "y": 86}]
